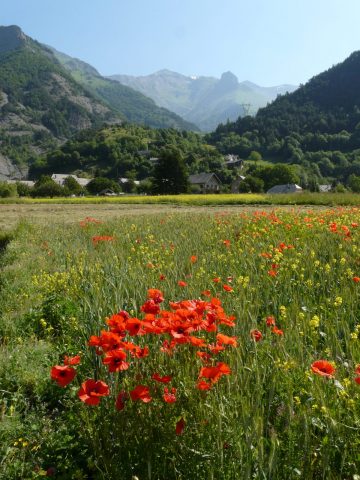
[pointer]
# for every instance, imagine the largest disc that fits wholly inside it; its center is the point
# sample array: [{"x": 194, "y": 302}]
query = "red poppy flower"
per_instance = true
[
  {"x": 141, "y": 392},
  {"x": 215, "y": 373},
  {"x": 106, "y": 341},
  {"x": 182, "y": 283},
  {"x": 256, "y": 335},
  {"x": 215, "y": 349},
  {"x": 169, "y": 396},
  {"x": 120, "y": 400},
  {"x": 91, "y": 391},
  {"x": 140, "y": 352},
  {"x": 356, "y": 279},
  {"x": 162, "y": 277},
  {"x": 72, "y": 360},
  {"x": 196, "y": 341},
  {"x": 180, "y": 425},
  {"x": 115, "y": 360},
  {"x": 102, "y": 238},
  {"x": 277, "y": 331},
  {"x": 270, "y": 321},
  {"x": 227, "y": 288},
  {"x": 156, "y": 295},
  {"x": 164, "y": 379},
  {"x": 323, "y": 368},
  {"x": 205, "y": 357},
  {"x": 117, "y": 323},
  {"x": 62, "y": 375},
  {"x": 206, "y": 293},
  {"x": 225, "y": 340},
  {"x": 150, "y": 306},
  {"x": 357, "y": 380},
  {"x": 133, "y": 325},
  {"x": 272, "y": 273},
  {"x": 357, "y": 369},
  {"x": 193, "y": 259},
  {"x": 226, "y": 243},
  {"x": 202, "y": 385},
  {"x": 216, "y": 280}
]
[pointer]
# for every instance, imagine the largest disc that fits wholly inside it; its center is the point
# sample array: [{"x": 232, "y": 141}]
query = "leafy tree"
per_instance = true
[
  {"x": 256, "y": 185},
  {"x": 340, "y": 188},
  {"x": 7, "y": 190},
  {"x": 73, "y": 186},
  {"x": 255, "y": 156},
  {"x": 145, "y": 187},
  {"x": 278, "y": 174},
  {"x": 170, "y": 176},
  {"x": 98, "y": 184},
  {"x": 354, "y": 183},
  {"x": 47, "y": 188},
  {"x": 23, "y": 190}
]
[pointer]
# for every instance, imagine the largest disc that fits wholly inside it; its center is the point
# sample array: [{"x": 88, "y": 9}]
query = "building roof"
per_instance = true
[
  {"x": 325, "y": 188},
  {"x": 202, "y": 178},
  {"x": 231, "y": 160},
  {"x": 124, "y": 180},
  {"x": 60, "y": 178},
  {"x": 287, "y": 188}
]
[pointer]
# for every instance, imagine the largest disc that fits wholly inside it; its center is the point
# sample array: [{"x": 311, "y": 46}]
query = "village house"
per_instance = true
[
  {"x": 287, "y": 188},
  {"x": 124, "y": 181},
  {"x": 325, "y": 188},
  {"x": 233, "y": 161},
  {"x": 235, "y": 184},
  {"x": 207, "y": 182},
  {"x": 59, "y": 178}
]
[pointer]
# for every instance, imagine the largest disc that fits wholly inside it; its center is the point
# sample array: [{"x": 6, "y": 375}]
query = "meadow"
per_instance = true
[
  {"x": 218, "y": 343},
  {"x": 304, "y": 198}
]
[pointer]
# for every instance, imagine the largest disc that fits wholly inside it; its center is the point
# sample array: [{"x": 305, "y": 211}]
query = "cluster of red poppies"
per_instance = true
[{"x": 180, "y": 325}]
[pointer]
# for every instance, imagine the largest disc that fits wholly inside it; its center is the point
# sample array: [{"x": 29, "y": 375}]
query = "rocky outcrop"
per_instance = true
[{"x": 10, "y": 171}]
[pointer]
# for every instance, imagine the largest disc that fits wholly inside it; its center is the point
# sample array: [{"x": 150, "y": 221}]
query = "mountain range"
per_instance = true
[
  {"x": 204, "y": 101},
  {"x": 46, "y": 97}
]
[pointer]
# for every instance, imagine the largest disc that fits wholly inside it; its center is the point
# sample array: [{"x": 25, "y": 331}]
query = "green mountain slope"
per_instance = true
[
  {"x": 318, "y": 125},
  {"x": 205, "y": 101},
  {"x": 41, "y": 105},
  {"x": 131, "y": 104}
]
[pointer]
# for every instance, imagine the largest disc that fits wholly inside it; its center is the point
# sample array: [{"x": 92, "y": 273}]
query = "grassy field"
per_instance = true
[
  {"x": 253, "y": 375},
  {"x": 304, "y": 198},
  {"x": 42, "y": 213}
]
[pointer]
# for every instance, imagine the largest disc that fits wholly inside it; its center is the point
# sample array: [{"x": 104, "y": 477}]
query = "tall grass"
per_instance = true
[
  {"x": 222, "y": 199},
  {"x": 271, "y": 418}
]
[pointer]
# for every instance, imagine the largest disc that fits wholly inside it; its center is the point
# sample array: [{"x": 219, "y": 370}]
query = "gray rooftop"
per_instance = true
[{"x": 200, "y": 178}]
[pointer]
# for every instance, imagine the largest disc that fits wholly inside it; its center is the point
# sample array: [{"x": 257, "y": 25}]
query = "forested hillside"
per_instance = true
[
  {"x": 130, "y": 151},
  {"x": 317, "y": 126}
]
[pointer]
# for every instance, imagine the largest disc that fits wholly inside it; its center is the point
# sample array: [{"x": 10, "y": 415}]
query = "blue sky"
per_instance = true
[{"x": 269, "y": 42}]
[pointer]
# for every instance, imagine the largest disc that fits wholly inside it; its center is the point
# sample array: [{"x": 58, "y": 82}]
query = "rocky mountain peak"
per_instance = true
[
  {"x": 229, "y": 80},
  {"x": 11, "y": 38}
]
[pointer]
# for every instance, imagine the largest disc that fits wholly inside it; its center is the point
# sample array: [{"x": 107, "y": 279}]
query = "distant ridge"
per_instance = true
[
  {"x": 134, "y": 106},
  {"x": 205, "y": 101}
]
